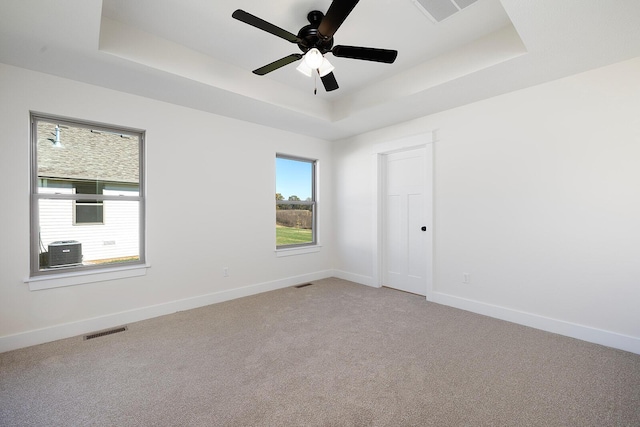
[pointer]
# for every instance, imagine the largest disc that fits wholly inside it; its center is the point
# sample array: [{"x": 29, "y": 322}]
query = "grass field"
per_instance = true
[{"x": 292, "y": 236}]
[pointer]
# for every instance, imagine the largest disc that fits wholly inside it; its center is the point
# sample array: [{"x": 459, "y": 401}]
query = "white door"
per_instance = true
[{"x": 404, "y": 221}]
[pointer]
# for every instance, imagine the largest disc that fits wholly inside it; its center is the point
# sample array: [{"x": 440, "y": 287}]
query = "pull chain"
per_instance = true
[{"x": 315, "y": 83}]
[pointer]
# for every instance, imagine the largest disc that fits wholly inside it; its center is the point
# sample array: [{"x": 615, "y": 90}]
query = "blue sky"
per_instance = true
[{"x": 293, "y": 177}]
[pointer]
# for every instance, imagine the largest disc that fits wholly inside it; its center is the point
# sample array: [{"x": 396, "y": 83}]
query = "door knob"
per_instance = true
[{"x": 424, "y": 228}]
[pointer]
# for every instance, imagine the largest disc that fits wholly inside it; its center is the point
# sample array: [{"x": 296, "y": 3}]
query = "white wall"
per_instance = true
[
  {"x": 210, "y": 205},
  {"x": 536, "y": 195}
]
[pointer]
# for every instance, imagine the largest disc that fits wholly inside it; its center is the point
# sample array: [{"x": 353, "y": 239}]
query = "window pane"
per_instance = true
[
  {"x": 85, "y": 159},
  {"x": 294, "y": 179},
  {"x": 87, "y": 195},
  {"x": 295, "y": 183},
  {"x": 294, "y": 226},
  {"x": 61, "y": 243}
]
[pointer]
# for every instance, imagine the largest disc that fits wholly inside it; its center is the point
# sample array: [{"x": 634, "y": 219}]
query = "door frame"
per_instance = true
[{"x": 424, "y": 140}]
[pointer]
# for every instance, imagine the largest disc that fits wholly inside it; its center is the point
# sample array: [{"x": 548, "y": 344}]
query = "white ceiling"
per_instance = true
[{"x": 193, "y": 53}]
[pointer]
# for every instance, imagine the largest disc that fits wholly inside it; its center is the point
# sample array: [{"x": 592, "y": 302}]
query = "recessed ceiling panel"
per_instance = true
[{"x": 193, "y": 53}]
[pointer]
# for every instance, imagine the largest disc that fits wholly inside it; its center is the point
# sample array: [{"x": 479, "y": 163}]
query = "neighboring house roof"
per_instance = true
[{"x": 85, "y": 154}]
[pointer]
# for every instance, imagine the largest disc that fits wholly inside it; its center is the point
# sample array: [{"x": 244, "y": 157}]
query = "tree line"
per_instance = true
[{"x": 280, "y": 197}]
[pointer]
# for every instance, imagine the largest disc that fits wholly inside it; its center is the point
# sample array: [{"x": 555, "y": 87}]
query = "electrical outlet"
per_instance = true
[
  {"x": 466, "y": 278},
  {"x": 225, "y": 272}
]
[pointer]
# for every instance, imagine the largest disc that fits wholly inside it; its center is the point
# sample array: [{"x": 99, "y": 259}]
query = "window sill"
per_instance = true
[
  {"x": 38, "y": 283},
  {"x": 297, "y": 251}
]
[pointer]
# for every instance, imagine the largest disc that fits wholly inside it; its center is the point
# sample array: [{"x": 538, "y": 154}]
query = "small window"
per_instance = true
[
  {"x": 88, "y": 212},
  {"x": 296, "y": 211},
  {"x": 87, "y": 204}
]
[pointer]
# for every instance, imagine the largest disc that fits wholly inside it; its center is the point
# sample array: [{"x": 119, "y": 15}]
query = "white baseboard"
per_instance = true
[
  {"x": 573, "y": 330},
  {"x": 68, "y": 330},
  {"x": 356, "y": 278}
]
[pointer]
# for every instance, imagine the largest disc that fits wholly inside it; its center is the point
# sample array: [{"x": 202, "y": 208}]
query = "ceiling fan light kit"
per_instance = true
[
  {"x": 315, "y": 40},
  {"x": 310, "y": 63}
]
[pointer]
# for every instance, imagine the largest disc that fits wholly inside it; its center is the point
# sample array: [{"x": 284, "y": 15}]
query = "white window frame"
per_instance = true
[
  {"x": 49, "y": 278},
  {"x": 313, "y": 246}
]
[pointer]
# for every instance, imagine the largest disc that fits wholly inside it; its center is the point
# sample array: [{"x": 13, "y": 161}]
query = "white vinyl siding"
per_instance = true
[{"x": 117, "y": 237}]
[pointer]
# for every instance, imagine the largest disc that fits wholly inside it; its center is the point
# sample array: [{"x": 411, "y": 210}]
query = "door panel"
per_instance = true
[
  {"x": 415, "y": 236},
  {"x": 394, "y": 234},
  {"x": 404, "y": 255}
]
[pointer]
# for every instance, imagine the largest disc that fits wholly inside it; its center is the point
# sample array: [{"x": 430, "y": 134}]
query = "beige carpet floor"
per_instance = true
[{"x": 331, "y": 354}]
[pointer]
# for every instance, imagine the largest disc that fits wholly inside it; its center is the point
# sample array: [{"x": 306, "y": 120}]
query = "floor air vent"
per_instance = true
[
  {"x": 303, "y": 286},
  {"x": 103, "y": 333}
]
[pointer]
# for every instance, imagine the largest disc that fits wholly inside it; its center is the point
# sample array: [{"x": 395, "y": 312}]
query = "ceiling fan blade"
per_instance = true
[
  {"x": 277, "y": 64},
  {"x": 254, "y": 21},
  {"x": 329, "y": 81},
  {"x": 335, "y": 16},
  {"x": 365, "y": 53}
]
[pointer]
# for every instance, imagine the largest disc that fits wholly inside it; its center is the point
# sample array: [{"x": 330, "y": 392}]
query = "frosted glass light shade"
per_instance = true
[
  {"x": 325, "y": 68},
  {"x": 304, "y": 69},
  {"x": 313, "y": 58}
]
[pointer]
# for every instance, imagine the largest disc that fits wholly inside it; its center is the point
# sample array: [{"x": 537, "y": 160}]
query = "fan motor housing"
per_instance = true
[{"x": 309, "y": 34}]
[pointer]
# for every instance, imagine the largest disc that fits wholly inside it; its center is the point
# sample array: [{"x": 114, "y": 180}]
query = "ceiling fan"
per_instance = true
[{"x": 315, "y": 40}]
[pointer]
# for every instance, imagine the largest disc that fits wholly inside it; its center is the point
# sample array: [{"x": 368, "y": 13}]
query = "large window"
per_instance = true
[
  {"x": 295, "y": 201},
  {"x": 87, "y": 196}
]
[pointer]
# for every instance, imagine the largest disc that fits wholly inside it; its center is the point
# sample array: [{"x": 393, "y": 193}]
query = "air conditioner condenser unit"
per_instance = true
[{"x": 65, "y": 253}]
